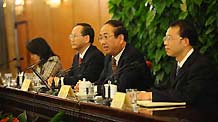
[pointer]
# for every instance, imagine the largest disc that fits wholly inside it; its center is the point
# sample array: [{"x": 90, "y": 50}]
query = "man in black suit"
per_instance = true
[
  {"x": 131, "y": 70},
  {"x": 193, "y": 78},
  {"x": 89, "y": 61}
]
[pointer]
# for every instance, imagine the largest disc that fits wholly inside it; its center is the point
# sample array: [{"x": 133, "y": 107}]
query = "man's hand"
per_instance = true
[
  {"x": 50, "y": 80},
  {"x": 76, "y": 88},
  {"x": 143, "y": 95}
]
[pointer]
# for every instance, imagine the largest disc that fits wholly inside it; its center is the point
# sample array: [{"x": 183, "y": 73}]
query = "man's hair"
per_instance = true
[
  {"x": 186, "y": 30},
  {"x": 87, "y": 30},
  {"x": 119, "y": 28}
]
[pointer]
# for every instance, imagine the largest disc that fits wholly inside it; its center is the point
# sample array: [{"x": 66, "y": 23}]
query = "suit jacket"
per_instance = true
[
  {"x": 132, "y": 71},
  {"x": 91, "y": 67},
  {"x": 196, "y": 82}
]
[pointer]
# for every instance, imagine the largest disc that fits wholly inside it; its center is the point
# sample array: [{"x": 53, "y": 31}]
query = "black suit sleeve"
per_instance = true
[
  {"x": 195, "y": 85},
  {"x": 93, "y": 68},
  {"x": 90, "y": 68},
  {"x": 135, "y": 76}
]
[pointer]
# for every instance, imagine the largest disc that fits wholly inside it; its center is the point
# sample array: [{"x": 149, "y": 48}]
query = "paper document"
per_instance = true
[{"x": 159, "y": 104}]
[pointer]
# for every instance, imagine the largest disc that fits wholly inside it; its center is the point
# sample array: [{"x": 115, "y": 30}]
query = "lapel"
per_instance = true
[
  {"x": 76, "y": 60},
  {"x": 191, "y": 59},
  {"x": 122, "y": 58},
  {"x": 87, "y": 54},
  {"x": 86, "y": 58},
  {"x": 108, "y": 68}
]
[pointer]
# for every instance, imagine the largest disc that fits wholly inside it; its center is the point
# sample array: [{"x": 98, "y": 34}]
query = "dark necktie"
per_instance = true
[
  {"x": 114, "y": 66},
  {"x": 80, "y": 61},
  {"x": 177, "y": 70}
]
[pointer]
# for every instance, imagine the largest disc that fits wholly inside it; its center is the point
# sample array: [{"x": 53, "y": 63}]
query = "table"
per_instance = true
[{"x": 45, "y": 106}]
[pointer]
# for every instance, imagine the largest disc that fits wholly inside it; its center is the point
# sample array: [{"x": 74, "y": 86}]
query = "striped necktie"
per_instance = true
[
  {"x": 177, "y": 70},
  {"x": 80, "y": 61},
  {"x": 114, "y": 66}
]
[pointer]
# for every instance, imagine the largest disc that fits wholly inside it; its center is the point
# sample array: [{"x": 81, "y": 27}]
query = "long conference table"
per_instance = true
[{"x": 45, "y": 106}]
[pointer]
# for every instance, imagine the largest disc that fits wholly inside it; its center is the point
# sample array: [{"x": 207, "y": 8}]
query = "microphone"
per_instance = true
[
  {"x": 14, "y": 59},
  {"x": 65, "y": 72},
  {"x": 41, "y": 78},
  {"x": 122, "y": 69},
  {"x": 31, "y": 67}
]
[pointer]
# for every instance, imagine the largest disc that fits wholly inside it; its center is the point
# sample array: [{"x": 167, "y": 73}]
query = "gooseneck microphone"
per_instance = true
[
  {"x": 12, "y": 60},
  {"x": 124, "y": 68},
  {"x": 73, "y": 68},
  {"x": 32, "y": 67},
  {"x": 41, "y": 78}
]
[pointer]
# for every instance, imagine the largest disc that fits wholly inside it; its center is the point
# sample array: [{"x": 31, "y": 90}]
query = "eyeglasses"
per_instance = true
[
  {"x": 72, "y": 36},
  {"x": 104, "y": 37},
  {"x": 170, "y": 38}
]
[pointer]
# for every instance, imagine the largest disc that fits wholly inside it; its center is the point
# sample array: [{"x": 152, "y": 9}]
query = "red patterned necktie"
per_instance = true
[
  {"x": 114, "y": 66},
  {"x": 80, "y": 60}
]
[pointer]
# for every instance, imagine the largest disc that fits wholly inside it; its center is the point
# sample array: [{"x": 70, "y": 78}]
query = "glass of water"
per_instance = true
[
  {"x": 132, "y": 99},
  {"x": 8, "y": 79}
]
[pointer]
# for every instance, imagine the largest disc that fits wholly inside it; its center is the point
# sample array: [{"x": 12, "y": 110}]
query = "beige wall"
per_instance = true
[{"x": 55, "y": 24}]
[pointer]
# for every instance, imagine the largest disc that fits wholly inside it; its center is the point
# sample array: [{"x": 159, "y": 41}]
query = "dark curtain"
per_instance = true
[{"x": 3, "y": 41}]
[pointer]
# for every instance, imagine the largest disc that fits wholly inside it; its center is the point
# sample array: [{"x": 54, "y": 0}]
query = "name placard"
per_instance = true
[
  {"x": 66, "y": 90},
  {"x": 118, "y": 100},
  {"x": 27, "y": 83}
]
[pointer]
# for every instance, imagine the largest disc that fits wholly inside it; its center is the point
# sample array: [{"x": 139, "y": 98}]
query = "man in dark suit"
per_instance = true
[
  {"x": 193, "y": 78},
  {"x": 89, "y": 61},
  {"x": 130, "y": 69}
]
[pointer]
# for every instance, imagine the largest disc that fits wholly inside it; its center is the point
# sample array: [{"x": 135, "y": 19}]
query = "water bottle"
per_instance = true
[{"x": 8, "y": 78}]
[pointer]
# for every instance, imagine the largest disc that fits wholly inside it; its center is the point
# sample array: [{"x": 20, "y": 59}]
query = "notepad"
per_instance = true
[{"x": 151, "y": 104}]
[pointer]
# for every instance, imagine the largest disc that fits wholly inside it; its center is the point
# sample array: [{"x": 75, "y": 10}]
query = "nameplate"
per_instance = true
[
  {"x": 27, "y": 83},
  {"x": 118, "y": 100},
  {"x": 66, "y": 90}
]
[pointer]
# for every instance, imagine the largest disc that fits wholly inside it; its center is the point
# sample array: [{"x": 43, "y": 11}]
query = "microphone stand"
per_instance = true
[
  {"x": 40, "y": 77},
  {"x": 31, "y": 67},
  {"x": 124, "y": 68}
]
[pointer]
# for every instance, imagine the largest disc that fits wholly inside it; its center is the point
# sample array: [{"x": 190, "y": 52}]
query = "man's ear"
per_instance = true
[
  {"x": 186, "y": 41},
  {"x": 121, "y": 38},
  {"x": 87, "y": 38}
]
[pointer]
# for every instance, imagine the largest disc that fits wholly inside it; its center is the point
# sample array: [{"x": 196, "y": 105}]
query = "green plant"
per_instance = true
[
  {"x": 57, "y": 117},
  {"x": 10, "y": 118},
  {"x": 6, "y": 117},
  {"x": 148, "y": 20}
]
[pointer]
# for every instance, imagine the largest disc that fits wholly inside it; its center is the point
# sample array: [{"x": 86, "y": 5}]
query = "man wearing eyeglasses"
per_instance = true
[
  {"x": 124, "y": 65},
  {"x": 89, "y": 61},
  {"x": 193, "y": 78}
]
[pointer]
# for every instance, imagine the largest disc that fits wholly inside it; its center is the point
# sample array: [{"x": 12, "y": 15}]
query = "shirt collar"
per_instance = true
[
  {"x": 83, "y": 53},
  {"x": 117, "y": 57},
  {"x": 180, "y": 64}
]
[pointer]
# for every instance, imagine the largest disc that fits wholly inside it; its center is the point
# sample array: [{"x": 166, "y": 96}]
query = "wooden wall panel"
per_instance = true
[
  {"x": 55, "y": 24},
  {"x": 88, "y": 11},
  {"x": 10, "y": 33},
  {"x": 22, "y": 27},
  {"x": 62, "y": 21}
]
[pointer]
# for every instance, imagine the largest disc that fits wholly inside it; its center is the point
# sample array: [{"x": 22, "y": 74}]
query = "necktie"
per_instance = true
[
  {"x": 114, "y": 66},
  {"x": 177, "y": 70},
  {"x": 80, "y": 60}
]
